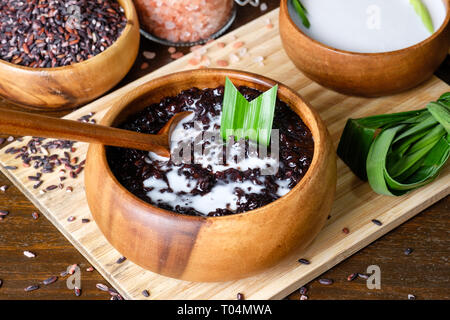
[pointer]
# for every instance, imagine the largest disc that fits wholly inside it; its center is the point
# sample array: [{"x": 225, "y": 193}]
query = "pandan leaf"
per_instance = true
[
  {"x": 423, "y": 13},
  {"x": 376, "y": 160},
  {"x": 358, "y": 136},
  {"x": 243, "y": 119},
  {"x": 301, "y": 11},
  {"x": 398, "y": 152},
  {"x": 441, "y": 113},
  {"x": 445, "y": 99}
]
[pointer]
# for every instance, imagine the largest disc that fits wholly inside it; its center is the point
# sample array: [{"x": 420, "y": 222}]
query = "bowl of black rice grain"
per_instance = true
[{"x": 59, "y": 54}]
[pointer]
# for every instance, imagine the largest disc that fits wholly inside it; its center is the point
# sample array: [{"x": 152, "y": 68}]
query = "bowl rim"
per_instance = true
[
  {"x": 319, "y": 137},
  {"x": 132, "y": 21},
  {"x": 437, "y": 33}
]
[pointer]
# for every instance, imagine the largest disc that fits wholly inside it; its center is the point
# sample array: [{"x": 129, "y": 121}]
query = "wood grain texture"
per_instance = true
[
  {"x": 365, "y": 74},
  {"x": 71, "y": 86},
  {"x": 425, "y": 275}
]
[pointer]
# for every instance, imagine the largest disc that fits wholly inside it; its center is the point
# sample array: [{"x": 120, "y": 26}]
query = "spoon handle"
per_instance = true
[{"x": 29, "y": 124}]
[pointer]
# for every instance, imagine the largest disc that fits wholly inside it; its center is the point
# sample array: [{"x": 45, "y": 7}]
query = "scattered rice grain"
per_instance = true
[
  {"x": 50, "y": 280},
  {"x": 101, "y": 287},
  {"x": 31, "y": 288},
  {"x": 149, "y": 55},
  {"x": 29, "y": 254}
]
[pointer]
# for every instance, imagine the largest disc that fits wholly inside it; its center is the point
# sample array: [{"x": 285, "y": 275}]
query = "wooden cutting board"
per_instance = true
[{"x": 354, "y": 207}]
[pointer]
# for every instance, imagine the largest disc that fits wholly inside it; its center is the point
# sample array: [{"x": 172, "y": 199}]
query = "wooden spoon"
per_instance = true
[{"x": 29, "y": 124}]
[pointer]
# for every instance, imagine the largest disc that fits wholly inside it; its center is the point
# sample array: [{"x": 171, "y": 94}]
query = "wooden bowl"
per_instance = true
[
  {"x": 364, "y": 74},
  {"x": 210, "y": 248},
  {"x": 70, "y": 86}
]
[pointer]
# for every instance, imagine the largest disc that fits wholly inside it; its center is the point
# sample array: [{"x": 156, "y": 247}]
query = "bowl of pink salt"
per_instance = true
[{"x": 180, "y": 22}]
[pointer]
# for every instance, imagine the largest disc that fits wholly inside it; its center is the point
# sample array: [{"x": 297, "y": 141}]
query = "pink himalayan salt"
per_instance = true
[
  {"x": 258, "y": 59},
  {"x": 242, "y": 52},
  {"x": 222, "y": 63},
  {"x": 238, "y": 44},
  {"x": 195, "y": 48},
  {"x": 206, "y": 61},
  {"x": 194, "y": 61},
  {"x": 199, "y": 52},
  {"x": 233, "y": 58},
  {"x": 221, "y": 44},
  {"x": 269, "y": 24},
  {"x": 149, "y": 55},
  {"x": 177, "y": 55},
  {"x": 181, "y": 20}
]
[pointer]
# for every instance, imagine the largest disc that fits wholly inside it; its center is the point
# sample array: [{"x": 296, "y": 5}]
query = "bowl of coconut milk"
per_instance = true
[{"x": 366, "y": 47}]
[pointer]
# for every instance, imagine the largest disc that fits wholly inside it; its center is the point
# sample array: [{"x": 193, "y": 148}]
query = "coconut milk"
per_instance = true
[
  {"x": 176, "y": 191},
  {"x": 367, "y": 26}
]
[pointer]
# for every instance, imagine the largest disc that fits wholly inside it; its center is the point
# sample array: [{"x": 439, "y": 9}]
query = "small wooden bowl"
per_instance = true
[
  {"x": 364, "y": 74},
  {"x": 70, "y": 86},
  {"x": 210, "y": 248}
]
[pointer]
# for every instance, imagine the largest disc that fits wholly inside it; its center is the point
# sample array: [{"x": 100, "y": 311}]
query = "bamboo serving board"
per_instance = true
[{"x": 354, "y": 207}]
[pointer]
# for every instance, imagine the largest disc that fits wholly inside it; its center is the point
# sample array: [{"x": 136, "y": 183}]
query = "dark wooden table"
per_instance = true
[{"x": 424, "y": 273}]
